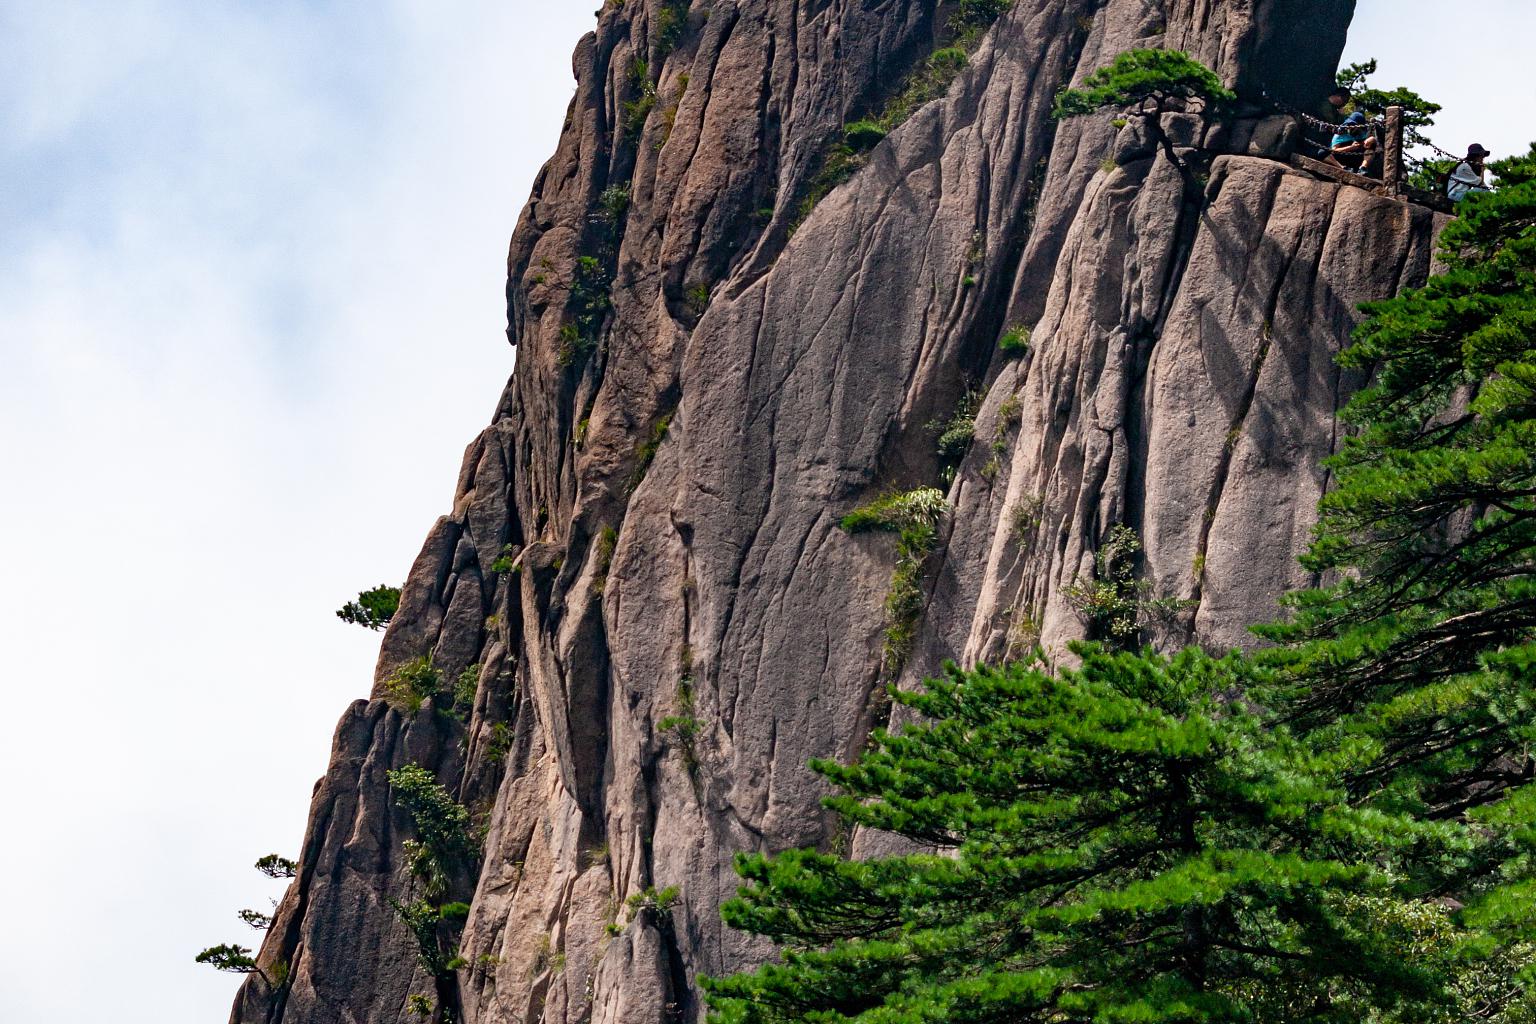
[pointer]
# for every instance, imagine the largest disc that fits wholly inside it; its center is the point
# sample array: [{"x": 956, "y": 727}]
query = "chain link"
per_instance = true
[
  {"x": 1328, "y": 126},
  {"x": 1309, "y": 119}
]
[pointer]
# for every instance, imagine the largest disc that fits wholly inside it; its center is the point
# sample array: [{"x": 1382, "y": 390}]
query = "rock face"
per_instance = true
[{"x": 643, "y": 572}]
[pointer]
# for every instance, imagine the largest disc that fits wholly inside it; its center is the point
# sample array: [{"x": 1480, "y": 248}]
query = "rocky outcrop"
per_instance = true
[{"x": 643, "y": 574}]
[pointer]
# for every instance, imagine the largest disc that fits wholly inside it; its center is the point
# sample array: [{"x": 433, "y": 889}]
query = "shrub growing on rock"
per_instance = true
[
  {"x": 443, "y": 842},
  {"x": 412, "y": 683},
  {"x": 1015, "y": 342},
  {"x": 1116, "y": 603},
  {"x": 373, "y": 608},
  {"x": 914, "y": 517}
]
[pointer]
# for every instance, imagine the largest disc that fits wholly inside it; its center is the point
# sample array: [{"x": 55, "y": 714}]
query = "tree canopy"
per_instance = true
[
  {"x": 1419, "y": 657},
  {"x": 1431, "y": 527},
  {"x": 1145, "y": 80},
  {"x": 275, "y": 866},
  {"x": 1147, "y": 84},
  {"x": 1418, "y": 112},
  {"x": 1121, "y": 842},
  {"x": 229, "y": 957},
  {"x": 373, "y": 608}
]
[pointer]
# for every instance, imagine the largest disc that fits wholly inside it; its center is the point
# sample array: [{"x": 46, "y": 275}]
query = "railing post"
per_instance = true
[{"x": 1392, "y": 166}]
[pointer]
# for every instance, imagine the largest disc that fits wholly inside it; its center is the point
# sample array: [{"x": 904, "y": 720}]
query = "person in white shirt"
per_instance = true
[{"x": 1468, "y": 175}]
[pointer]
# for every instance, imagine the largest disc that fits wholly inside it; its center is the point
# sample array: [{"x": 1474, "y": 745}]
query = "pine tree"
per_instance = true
[
  {"x": 1148, "y": 84},
  {"x": 1420, "y": 661},
  {"x": 373, "y": 608},
  {"x": 1433, "y": 518},
  {"x": 1418, "y": 112},
  {"x": 1124, "y": 842}
]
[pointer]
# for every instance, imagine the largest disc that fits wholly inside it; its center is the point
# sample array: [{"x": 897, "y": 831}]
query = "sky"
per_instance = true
[
  {"x": 251, "y": 269},
  {"x": 1473, "y": 59}
]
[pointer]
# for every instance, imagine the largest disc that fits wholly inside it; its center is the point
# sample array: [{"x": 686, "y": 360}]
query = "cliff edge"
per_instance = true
[{"x": 732, "y": 328}]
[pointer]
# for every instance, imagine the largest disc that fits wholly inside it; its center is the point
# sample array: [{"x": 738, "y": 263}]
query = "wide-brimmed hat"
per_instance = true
[
  {"x": 1476, "y": 150},
  {"x": 1356, "y": 118}
]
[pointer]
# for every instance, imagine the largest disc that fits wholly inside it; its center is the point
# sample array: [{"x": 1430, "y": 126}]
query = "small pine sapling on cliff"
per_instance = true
[
  {"x": 232, "y": 958},
  {"x": 682, "y": 728},
  {"x": 274, "y": 866},
  {"x": 256, "y": 919},
  {"x": 237, "y": 959},
  {"x": 657, "y": 901},
  {"x": 373, "y": 608}
]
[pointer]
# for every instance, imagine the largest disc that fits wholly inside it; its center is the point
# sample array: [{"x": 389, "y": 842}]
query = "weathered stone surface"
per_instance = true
[
  {"x": 1191, "y": 397},
  {"x": 677, "y": 623},
  {"x": 335, "y": 936}
]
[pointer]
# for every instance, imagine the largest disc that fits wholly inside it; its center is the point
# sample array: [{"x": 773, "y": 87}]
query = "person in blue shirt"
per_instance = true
[{"x": 1354, "y": 145}]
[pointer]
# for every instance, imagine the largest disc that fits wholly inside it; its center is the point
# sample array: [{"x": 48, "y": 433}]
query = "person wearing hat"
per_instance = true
[
  {"x": 1468, "y": 177},
  {"x": 1353, "y": 145}
]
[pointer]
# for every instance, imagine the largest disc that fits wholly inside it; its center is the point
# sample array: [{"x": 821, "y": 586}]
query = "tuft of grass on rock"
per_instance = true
[{"x": 914, "y": 517}]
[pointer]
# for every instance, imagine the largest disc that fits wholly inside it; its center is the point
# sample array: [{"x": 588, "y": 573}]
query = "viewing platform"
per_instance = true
[{"x": 1393, "y": 183}]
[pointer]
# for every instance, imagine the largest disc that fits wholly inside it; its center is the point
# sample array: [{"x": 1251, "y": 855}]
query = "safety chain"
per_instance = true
[
  {"x": 1443, "y": 153},
  {"x": 1315, "y": 122},
  {"x": 1328, "y": 126}
]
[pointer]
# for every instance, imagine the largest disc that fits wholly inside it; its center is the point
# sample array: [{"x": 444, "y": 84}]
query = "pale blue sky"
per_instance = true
[{"x": 251, "y": 262}]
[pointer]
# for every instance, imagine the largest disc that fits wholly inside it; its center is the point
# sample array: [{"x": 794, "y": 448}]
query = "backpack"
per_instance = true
[{"x": 1443, "y": 179}]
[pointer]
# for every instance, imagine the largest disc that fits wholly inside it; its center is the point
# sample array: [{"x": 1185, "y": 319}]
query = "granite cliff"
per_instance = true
[{"x": 643, "y": 572}]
